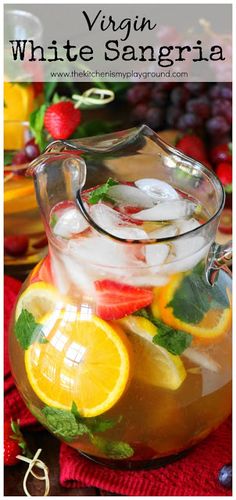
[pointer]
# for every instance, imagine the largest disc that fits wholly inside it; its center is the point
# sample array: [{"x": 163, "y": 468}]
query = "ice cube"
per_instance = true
[
  {"x": 79, "y": 274},
  {"x": 60, "y": 276},
  {"x": 71, "y": 221},
  {"x": 163, "y": 232},
  {"x": 129, "y": 233},
  {"x": 156, "y": 254},
  {"x": 185, "y": 226},
  {"x": 157, "y": 190},
  {"x": 202, "y": 359},
  {"x": 186, "y": 253},
  {"x": 130, "y": 195},
  {"x": 102, "y": 250},
  {"x": 167, "y": 210},
  {"x": 146, "y": 280},
  {"x": 115, "y": 223}
]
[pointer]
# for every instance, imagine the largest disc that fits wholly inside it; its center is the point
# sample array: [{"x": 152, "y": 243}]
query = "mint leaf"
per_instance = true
[
  {"x": 194, "y": 297},
  {"x": 100, "y": 193},
  {"x": 8, "y": 158},
  {"x": 27, "y": 331},
  {"x": 62, "y": 423},
  {"x": 228, "y": 188},
  {"x": 101, "y": 424},
  {"x": 53, "y": 220},
  {"x": 49, "y": 88},
  {"x": 37, "y": 126},
  {"x": 174, "y": 341},
  {"x": 113, "y": 449},
  {"x": 94, "y": 424}
]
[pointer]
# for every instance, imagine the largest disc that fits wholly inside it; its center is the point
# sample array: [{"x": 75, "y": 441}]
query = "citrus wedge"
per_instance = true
[
  {"x": 18, "y": 104},
  {"x": 39, "y": 299},
  {"x": 215, "y": 323},
  {"x": 153, "y": 364},
  {"x": 18, "y": 101},
  {"x": 85, "y": 360}
]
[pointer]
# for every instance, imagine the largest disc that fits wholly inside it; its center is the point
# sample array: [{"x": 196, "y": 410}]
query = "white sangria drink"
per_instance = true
[{"x": 120, "y": 343}]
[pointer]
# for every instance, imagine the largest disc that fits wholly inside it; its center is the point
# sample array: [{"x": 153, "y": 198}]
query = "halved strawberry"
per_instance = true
[{"x": 116, "y": 300}]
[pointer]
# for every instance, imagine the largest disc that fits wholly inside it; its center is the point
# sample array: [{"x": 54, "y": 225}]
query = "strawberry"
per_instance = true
[
  {"x": 61, "y": 119},
  {"x": 127, "y": 212},
  {"x": 193, "y": 146},
  {"x": 115, "y": 300},
  {"x": 224, "y": 172},
  {"x": 220, "y": 153},
  {"x": 38, "y": 88},
  {"x": 16, "y": 245},
  {"x": 14, "y": 443}
]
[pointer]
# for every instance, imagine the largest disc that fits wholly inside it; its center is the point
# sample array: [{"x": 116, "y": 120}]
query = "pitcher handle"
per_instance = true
[{"x": 218, "y": 256}]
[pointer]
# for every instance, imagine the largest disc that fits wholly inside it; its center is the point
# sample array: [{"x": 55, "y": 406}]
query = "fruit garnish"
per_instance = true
[
  {"x": 156, "y": 366},
  {"x": 14, "y": 443},
  {"x": 225, "y": 225},
  {"x": 38, "y": 299},
  {"x": 42, "y": 271},
  {"x": 225, "y": 476},
  {"x": 100, "y": 193},
  {"x": 115, "y": 300},
  {"x": 225, "y": 174},
  {"x": 164, "y": 367},
  {"x": 188, "y": 303},
  {"x": 31, "y": 149},
  {"x": 192, "y": 146},
  {"x": 17, "y": 245},
  {"x": 61, "y": 119},
  {"x": 220, "y": 153},
  {"x": 85, "y": 360}
]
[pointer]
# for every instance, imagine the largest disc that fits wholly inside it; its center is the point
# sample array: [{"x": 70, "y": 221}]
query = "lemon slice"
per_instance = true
[
  {"x": 39, "y": 299},
  {"x": 85, "y": 360},
  {"x": 215, "y": 323},
  {"x": 153, "y": 363}
]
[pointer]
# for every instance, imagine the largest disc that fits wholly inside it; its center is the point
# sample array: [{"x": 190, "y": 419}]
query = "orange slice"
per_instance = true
[
  {"x": 215, "y": 323},
  {"x": 18, "y": 104},
  {"x": 86, "y": 360},
  {"x": 21, "y": 189}
]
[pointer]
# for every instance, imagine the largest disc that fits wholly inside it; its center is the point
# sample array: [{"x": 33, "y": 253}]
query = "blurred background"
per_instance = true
[{"x": 195, "y": 117}]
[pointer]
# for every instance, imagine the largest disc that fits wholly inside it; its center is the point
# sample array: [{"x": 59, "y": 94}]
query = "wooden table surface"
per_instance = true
[{"x": 14, "y": 475}]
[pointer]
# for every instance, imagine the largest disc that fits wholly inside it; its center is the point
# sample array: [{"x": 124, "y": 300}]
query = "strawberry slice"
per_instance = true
[{"x": 116, "y": 300}]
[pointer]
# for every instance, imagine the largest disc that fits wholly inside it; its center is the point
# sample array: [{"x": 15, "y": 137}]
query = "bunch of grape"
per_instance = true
[{"x": 202, "y": 108}]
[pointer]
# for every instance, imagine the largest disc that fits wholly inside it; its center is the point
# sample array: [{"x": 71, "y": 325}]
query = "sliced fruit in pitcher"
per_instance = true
[
  {"x": 189, "y": 304},
  {"x": 156, "y": 366},
  {"x": 39, "y": 299},
  {"x": 85, "y": 360},
  {"x": 115, "y": 300}
]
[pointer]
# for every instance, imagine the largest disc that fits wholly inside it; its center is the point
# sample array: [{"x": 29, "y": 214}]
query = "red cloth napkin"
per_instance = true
[{"x": 194, "y": 475}]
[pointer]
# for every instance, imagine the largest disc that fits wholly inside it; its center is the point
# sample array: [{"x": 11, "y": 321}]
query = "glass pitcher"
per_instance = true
[{"x": 121, "y": 338}]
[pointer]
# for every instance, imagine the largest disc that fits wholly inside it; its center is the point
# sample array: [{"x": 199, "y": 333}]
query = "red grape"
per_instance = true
[
  {"x": 138, "y": 93},
  {"x": 179, "y": 95},
  {"x": 31, "y": 149},
  {"x": 155, "y": 118},
  {"x": 217, "y": 125},
  {"x": 200, "y": 106},
  {"x": 189, "y": 121}
]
